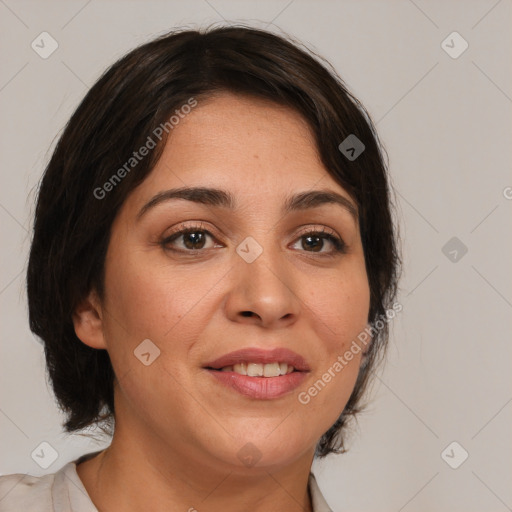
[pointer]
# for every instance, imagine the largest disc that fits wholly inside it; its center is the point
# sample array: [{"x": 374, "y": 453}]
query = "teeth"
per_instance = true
[
  {"x": 240, "y": 368},
  {"x": 260, "y": 370},
  {"x": 271, "y": 370},
  {"x": 255, "y": 370}
]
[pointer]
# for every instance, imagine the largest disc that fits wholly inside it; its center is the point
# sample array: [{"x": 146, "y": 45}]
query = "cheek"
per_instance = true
[
  {"x": 340, "y": 307},
  {"x": 340, "y": 313},
  {"x": 149, "y": 300}
]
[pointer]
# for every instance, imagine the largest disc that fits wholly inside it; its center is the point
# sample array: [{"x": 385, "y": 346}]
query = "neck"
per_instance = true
[{"x": 141, "y": 472}]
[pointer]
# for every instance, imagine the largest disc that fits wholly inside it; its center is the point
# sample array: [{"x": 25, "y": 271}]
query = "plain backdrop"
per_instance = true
[{"x": 444, "y": 118}]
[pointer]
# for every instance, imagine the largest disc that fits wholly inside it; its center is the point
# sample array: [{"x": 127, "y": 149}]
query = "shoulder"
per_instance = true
[
  {"x": 24, "y": 492},
  {"x": 317, "y": 498},
  {"x": 62, "y": 491}
]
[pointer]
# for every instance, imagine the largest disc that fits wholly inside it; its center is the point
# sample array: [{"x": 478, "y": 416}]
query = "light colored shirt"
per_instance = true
[{"x": 63, "y": 491}]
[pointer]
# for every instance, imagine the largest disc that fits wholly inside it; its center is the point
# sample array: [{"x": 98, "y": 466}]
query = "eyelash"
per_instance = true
[{"x": 338, "y": 243}]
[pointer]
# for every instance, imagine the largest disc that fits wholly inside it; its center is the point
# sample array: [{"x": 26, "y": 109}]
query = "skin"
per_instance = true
[{"x": 178, "y": 430}]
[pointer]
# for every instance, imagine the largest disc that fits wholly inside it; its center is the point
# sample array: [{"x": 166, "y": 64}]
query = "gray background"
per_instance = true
[{"x": 445, "y": 123}]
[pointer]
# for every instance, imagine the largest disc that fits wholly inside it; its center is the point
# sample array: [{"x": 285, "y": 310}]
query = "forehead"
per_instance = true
[
  {"x": 236, "y": 137},
  {"x": 234, "y": 129},
  {"x": 256, "y": 149}
]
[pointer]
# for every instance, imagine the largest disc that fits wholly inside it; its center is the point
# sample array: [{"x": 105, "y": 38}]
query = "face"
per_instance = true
[{"x": 251, "y": 285}]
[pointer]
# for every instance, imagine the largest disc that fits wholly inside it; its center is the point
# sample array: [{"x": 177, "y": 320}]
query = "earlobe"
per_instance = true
[{"x": 87, "y": 319}]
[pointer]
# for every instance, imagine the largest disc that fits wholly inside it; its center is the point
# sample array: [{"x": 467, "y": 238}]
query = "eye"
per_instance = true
[
  {"x": 193, "y": 238},
  {"x": 314, "y": 241}
]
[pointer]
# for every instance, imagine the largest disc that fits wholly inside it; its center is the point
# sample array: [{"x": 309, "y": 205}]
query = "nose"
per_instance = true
[{"x": 263, "y": 292}]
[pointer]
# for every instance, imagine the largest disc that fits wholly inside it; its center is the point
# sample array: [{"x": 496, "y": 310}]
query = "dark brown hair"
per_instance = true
[{"x": 128, "y": 102}]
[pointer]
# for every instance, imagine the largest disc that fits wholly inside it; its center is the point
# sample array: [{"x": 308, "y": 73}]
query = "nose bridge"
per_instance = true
[{"x": 263, "y": 279}]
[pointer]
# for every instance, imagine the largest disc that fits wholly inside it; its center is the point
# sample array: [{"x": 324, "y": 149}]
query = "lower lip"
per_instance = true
[{"x": 261, "y": 388}]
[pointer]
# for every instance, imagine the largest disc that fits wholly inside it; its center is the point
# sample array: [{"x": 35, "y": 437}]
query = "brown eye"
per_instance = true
[
  {"x": 189, "y": 239},
  {"x": 194, "y": 239},
  {"x": 314, "y": 241}
]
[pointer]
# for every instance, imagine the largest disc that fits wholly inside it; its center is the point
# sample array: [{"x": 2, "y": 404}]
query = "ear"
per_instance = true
[{"x": 87, "y": 319}]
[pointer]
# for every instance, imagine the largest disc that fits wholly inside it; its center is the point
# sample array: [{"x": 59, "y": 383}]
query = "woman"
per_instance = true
[{"x": 212, "y": 271}]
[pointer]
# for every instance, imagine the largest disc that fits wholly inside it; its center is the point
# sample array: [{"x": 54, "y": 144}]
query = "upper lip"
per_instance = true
[{"x": 258, "y": 355}]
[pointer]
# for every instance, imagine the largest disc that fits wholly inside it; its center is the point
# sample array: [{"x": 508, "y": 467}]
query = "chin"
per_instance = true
[{"x": 257, "y": 452}]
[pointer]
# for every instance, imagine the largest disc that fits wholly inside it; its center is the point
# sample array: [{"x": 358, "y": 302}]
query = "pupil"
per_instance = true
[
  {"x": 193, "y": 238},
  {"x": 317, "y": 239}
]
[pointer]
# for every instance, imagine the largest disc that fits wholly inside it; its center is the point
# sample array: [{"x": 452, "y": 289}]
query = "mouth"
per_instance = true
[
  {"x": 260, "y": 374},
  {"x": 252, "y": 369},
  {"x": 258, "y": 360}
]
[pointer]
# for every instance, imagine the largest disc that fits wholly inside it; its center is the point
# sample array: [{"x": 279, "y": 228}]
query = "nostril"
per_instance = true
[{"x": 246, "y": 313}]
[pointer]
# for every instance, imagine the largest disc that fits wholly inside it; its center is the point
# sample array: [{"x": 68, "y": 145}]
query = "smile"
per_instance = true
[
  {"x": 259, "y": 370},
  {"x": 260, "y": 374}
]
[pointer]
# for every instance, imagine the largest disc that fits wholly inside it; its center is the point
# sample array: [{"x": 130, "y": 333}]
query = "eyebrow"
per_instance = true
[{"x": 224, "y": 199}]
